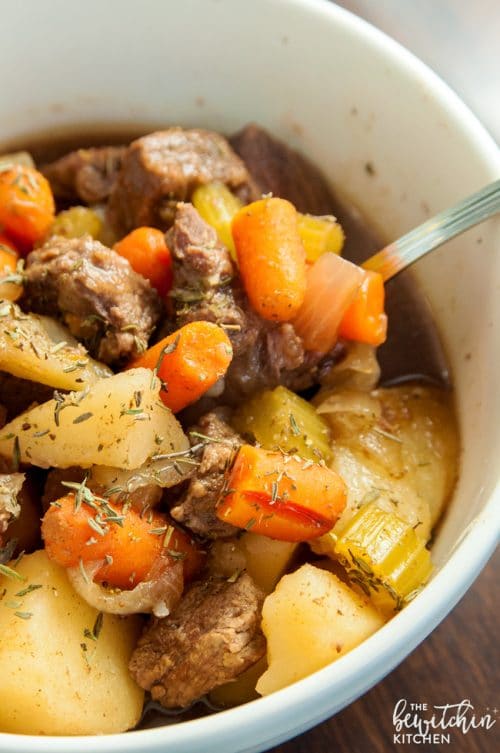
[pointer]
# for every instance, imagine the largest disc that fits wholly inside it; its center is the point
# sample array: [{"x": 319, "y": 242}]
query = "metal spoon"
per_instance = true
[{"x": 434, "y": 232}]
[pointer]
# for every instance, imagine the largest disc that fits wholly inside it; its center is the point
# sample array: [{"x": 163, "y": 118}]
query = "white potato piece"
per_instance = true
[
  {"x": 118, "y": 422},
  {"x": 143, "y": 485},
  {"x": 266, "y": 559},
  {"x": 429, "y": 440},
  {"x": 56, "y": 680},
  {"x": 310, "y": 620},
  {"x": 398, "y": 446},
  {"x": 41, "y": 350}
]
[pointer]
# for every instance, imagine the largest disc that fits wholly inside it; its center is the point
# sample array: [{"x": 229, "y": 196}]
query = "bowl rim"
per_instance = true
[{"x": 284, "y": 712}]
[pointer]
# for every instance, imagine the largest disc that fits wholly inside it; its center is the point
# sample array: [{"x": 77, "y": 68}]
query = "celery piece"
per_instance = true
[
  {"x": 320, "y": 234},
  {"x": 281, "y": 419},
  {"x": 77, "y": 221},
  {"x": 217, "y": 206},
  {"x": 383, "y": 556}
]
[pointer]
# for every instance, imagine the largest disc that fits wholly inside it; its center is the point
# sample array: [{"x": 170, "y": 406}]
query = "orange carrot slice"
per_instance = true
[
  {"x": 271, "y": 257},
  {"x": 147, "y": 253},
  {"x": 27, "y": 206},
  {"x": 188, "y": 362},
  {"x": 365, "y": 320},
  {"x": 10, "y": 290},
  {"x": 128, "y": 544},
  {"x": 281, "y": 496}
]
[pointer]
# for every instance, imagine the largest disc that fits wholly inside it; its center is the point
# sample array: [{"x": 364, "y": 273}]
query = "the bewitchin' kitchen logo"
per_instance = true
[{"x": 424, "y": 723}]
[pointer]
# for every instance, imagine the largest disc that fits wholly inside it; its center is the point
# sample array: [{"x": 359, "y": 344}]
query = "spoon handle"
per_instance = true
[{"x": 434, "y": 232}]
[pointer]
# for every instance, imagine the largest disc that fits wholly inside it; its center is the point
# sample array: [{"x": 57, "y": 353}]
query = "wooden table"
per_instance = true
[{"x": 461, "y": 659}]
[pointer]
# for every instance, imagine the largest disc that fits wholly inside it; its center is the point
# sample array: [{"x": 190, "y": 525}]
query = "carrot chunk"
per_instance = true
[
  {"x": 147, "y": 253},
  {"x": 281, "y": 496},
  {"x": 188, "y": 362},
  {"x": 27, "y": 206},
  {"x": 365, "y": 320},
  {"x": 10, "y": 288},
  {"x": 127, "y": 543},
  {"x": 271, "y": 257}
]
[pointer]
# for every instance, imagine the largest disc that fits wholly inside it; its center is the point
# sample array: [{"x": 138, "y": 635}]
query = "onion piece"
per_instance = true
[
  {"x": 157, "y": 474},
  {"x": 10, "y": 486},
  {"x": 158, "y": 595},
  {"x": 121, "y": 486},
  {"x": 358, "y": 370},
  {"x": 359, "y": 403},
  {"x": 216, "y": 389},
  {"x": 17, "y": 158},
  {"x": 332, "y": 283}
]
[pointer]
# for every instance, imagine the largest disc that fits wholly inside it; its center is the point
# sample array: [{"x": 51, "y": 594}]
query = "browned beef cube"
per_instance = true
[
  {"x": 210, "y": 638},
  {"x": 104, "y": 303},
  {"x": 87, "y": 175},
  {"x": 165, "y": 167},
  {"x": 196, "y": 508}
]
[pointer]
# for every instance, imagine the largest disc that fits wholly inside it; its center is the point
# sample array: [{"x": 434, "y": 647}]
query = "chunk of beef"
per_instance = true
[
  {"x": 165, "y": 167},
  {"x": 277, "y": 357},
  {"x": 203, "y": 272},
  {"x": 104, "y": 303},
  {"x": 201, "y": 262},
  {"x": 87, "y": 175},
  {"x": 211, "y": 637},
  {"x": 196, "y": 508},
  {"x": 282, "y": 171}
]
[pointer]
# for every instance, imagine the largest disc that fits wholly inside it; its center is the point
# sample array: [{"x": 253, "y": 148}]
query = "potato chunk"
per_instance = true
[
  {"x": 118, "y": 422},
  {"x": 311, "y": 619},
  {"x": 61, "y": 675},
  {"x": 264, "y": 559},
  {"x": 397, "y": 447},
  {"x": 41, "y": 350}
]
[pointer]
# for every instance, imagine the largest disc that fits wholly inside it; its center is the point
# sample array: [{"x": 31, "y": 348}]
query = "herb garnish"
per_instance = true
[
  {"x": 294, "y": 425},
  {"x": 29, "y": 589},
  {"x": 10, "y": 573}
]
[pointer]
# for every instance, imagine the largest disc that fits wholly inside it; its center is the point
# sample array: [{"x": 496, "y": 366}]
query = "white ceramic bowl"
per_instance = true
[{"x": 343, "y": 93}]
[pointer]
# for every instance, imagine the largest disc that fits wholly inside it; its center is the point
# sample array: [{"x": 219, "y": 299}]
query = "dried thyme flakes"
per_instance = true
[
  {"x": 29, "y": 589},
  {"x": 94, "y": 634},
  {"x": 294, "y": 426},
  {"x": 10, "y": 573},
  {"x": 82, "y": 417},
  {"x": 24, "y": 615}
]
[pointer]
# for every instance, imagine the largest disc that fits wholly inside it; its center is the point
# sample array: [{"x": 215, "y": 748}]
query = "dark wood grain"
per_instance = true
[{"x": 459, "y": 660}]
